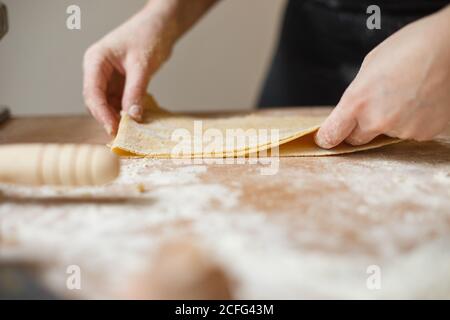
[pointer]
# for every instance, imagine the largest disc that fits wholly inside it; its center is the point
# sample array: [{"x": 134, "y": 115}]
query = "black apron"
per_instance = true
[{"x": 323, "y": 43}]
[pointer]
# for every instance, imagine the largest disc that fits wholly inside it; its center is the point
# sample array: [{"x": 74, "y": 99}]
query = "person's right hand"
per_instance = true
[{"x": 117, "y": 68}]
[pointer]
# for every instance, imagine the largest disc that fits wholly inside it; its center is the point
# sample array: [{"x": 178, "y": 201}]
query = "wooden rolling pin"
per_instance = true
[{"x": 57, "y": 164}]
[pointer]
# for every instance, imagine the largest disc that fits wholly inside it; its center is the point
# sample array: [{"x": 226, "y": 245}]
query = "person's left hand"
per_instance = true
[{"x": 402, "y": 89}]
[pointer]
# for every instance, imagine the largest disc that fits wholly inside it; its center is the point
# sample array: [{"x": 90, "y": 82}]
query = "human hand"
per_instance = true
[
  {"x": 117, "y": 68},
  {"x": 402, "y": 89}
]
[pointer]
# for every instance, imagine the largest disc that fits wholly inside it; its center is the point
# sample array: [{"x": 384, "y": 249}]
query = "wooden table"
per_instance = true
[{"x": 373, "y": 224}]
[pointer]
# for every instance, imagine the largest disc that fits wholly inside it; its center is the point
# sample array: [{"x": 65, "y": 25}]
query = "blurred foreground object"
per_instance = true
[
  {"x": 19, "y": 281},
  {"x": 182, "y": 271}
]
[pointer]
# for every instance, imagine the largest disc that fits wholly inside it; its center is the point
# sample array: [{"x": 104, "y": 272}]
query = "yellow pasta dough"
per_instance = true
[{"x": 162, "y": 134}]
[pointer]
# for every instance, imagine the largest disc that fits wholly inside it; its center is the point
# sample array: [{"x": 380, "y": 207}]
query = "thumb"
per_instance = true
[
  {"x": 136, "y": 83},
  {"x": 338, "y": 126}
]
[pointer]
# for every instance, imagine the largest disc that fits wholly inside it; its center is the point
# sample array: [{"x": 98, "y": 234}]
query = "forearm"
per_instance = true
[{"x": 177, "y": 16}]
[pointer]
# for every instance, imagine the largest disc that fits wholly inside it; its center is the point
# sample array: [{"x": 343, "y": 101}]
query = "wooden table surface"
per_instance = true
[{"x": 327, "y": 227}]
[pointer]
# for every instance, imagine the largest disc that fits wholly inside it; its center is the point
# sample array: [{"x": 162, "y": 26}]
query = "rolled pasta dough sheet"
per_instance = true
[{"x": 161, "y": 133}]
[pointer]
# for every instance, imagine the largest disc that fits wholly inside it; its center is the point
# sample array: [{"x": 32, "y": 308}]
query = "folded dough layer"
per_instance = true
[{"x": 162, "y": 134}]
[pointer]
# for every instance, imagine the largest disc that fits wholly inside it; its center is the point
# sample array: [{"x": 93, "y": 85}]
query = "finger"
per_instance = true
[
  {"x": 95, "y": 100},
  {"x": 115, "y": 91},
  {"x": 338, "y": 126},
  {"x": 136, "y": 83},
  {"x": 359, "y": 137},
  {"x": 96, "y": 75}
]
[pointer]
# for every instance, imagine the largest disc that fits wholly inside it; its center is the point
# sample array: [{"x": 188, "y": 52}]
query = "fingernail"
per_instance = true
[{"x": 135, "y": 112}]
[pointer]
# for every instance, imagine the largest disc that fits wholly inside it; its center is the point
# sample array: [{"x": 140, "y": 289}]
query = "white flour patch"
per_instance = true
[
  {"x": 323, "y": 251},
  {"x": 115, "y": 238},
  {"x": 137, "y": 171},
  {"x": 267, "y": 265},
  {"x": 442, "y": 177}
]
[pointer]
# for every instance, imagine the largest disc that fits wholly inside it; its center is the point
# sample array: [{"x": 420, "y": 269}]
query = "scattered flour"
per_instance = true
[{"x": 268, "y": 256}]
